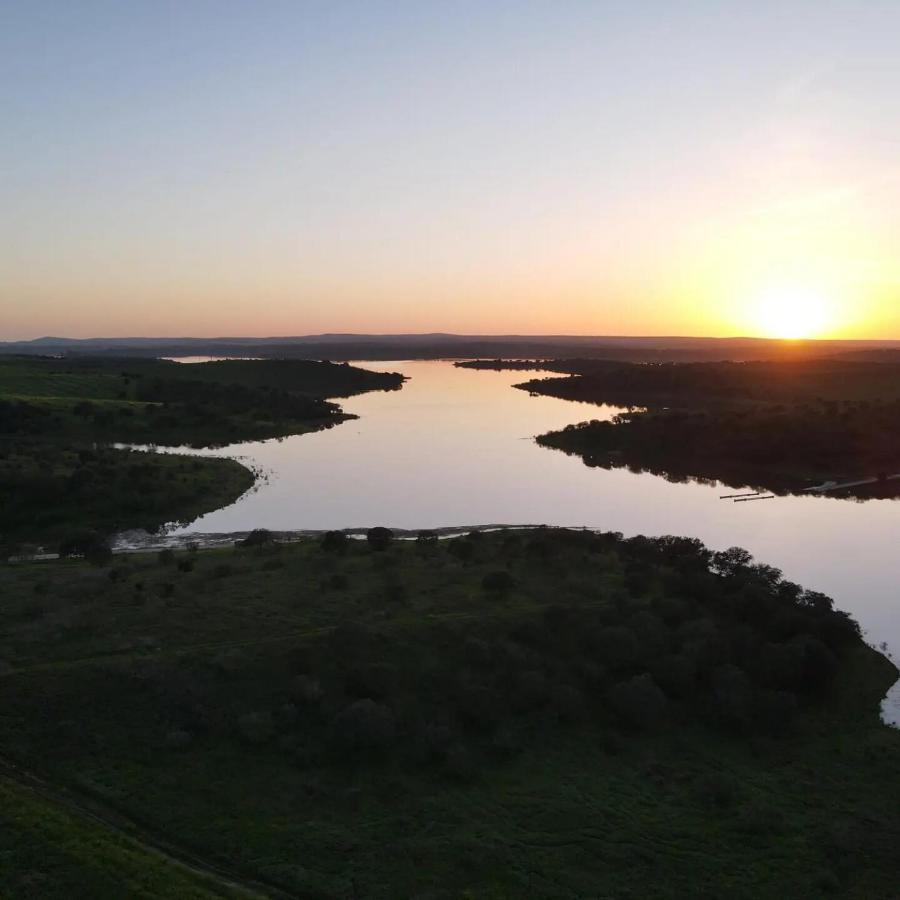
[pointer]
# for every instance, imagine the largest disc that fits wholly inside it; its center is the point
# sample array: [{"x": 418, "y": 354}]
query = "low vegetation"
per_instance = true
[
  {"x": 777, "y": 426},
  {"x": 55, "y": 492},
  {"x": 539, "y": 713},
  {"x": 58, "y": 418}
]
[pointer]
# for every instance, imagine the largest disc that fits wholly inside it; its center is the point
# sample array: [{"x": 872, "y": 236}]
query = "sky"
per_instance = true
[{"x": 210, "y": 167}]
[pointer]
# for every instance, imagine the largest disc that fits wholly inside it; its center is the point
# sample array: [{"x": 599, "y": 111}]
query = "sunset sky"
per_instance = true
[{"x": 265, "y": 168}]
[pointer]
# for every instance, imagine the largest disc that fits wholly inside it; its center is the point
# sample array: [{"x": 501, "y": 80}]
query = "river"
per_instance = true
[{"x": 455, "y": 447}]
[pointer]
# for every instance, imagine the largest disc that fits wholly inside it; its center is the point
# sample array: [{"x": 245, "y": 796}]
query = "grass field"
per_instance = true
[{"x": 208, "y": 697}]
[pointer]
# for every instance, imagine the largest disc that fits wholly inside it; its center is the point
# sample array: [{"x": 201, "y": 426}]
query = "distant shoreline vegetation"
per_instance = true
[
  {"x": 58, "y": 418},
  {"x": 783, "y": 427}
]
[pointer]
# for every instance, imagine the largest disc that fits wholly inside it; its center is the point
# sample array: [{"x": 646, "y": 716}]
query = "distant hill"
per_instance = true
[{"x": 456, "y": 346}]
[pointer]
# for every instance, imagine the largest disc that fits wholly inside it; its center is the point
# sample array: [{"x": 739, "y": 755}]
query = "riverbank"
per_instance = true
[{"x": 60, "y": 417}]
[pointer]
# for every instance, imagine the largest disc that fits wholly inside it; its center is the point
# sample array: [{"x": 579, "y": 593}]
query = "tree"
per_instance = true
[
  {"x": 639, "y": 702},
  {"x": 88, "y": 545},
  {"x": 498, "y": 582},
  {"x": 732, "y": 561},
  {"x": 256, "y": 727},
  {"x": 364, "y": 726},
  {"x": 427, "y": 540},
  {"x": 259, "y": 537},
  {"x": 335, "y": 542},
  {"x": 379, "y": 538}
]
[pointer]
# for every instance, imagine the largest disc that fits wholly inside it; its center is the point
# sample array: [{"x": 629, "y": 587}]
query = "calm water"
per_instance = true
[{"x": 454, "y": 447}]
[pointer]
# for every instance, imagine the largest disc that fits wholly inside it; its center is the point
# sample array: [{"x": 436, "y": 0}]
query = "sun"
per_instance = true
[{"x": 792, "y": 313}]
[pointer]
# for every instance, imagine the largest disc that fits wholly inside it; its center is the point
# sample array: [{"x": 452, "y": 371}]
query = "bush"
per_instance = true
[
  {"x": 256, "y": 727},
  {"x": 259, "y": 537},
  {"x": 717, "y": 790},
  {"x": 459, "y": 763},
  {"x": 334, "y": 542},
  {"x": 497, "y": 582},
  {"x": 166, "y": 557},
  {"x": 462, "y": 548},
  {"x": 567, "y": 702},
  {"x": 373, "y": 681},
  {"x": 306, "y": 690},
  {"x": 178, "y": 740},
  {"x": 427, "y": 540},
  {"x": 88, "y": 545},
  {"x": 364, "y": 726},
  {"x": 379, "y": 538},
  {"x": 639, "y": 702}
]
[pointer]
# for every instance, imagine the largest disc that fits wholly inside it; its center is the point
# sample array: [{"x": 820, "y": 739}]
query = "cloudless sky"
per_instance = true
[{"x": 264, "y": 168}]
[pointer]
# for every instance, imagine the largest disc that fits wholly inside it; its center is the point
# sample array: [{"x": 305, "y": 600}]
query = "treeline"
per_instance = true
[
  {"x": 403, "y": 695},
  {"x": 165, "y": 402},
  {"x": 688, "y": 636},
  {"x": 53, "y": 493},
  {"x": 775, "y": 447},
  {"x": 700, "y": 384},
  {"x": 56, "y": 413},
  {"x": 780, "y": 426}
]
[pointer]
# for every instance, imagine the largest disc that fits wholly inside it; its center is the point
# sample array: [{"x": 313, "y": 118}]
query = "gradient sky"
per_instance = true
[{"x": 264, "y": 168}]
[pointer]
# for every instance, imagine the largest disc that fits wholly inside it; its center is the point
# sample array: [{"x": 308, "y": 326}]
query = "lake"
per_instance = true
[{"x": 455, "y": 447}]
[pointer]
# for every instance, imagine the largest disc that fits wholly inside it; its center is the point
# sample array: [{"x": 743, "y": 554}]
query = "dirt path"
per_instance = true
[{"x": 217, "y": 878}]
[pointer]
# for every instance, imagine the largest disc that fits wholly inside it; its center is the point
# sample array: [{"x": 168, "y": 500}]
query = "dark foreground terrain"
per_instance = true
[{"x": 539, "y": 713}]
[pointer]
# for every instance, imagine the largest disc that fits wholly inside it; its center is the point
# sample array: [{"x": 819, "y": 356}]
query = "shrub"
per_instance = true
[
  {"x": 259, "y": 537},
  {"x": 306, "y": 690},
  {"x": 178, "y": 740},
  {"x": 334, "y": 542},
  {"x": 507, "y": 743},
  {"x": 286, "y": 715},
  {"x": 479, "y": 706},
  {"x": 459, "y": 763},
  {"x": 639, "y": 702},
  {"x": 256, "y": 727},
  {"x": 373, "y": 681},
  {"x": 498, "y": 582},
  {"x": 427, "y": 540},
  {"x": 462, "y": 548},
  {"x": 717, "y": 790},
  {"x": 379, "y": 538},
  {"x": 567, "y": 702},
  {"x": 166, "y": 556},
  {"x": 364, "y": 726},
  {"x": 89, "y": 545}
]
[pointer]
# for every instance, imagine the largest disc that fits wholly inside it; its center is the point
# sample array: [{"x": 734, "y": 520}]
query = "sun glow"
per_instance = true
[{"x": 793, "y": 313}]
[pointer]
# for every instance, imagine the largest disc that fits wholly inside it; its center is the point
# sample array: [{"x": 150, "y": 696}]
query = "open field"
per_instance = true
[{"x": 544, "y": 713}]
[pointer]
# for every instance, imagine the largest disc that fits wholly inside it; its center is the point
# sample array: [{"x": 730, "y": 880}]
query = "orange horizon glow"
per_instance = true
[{"x": 592, "y": 170}]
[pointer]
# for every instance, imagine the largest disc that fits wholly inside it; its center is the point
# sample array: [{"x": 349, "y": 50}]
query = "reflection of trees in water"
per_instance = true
[{"x": 736, "y": 476}]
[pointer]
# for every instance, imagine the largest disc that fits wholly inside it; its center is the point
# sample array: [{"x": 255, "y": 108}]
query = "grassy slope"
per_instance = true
[
  {"x": 49, "y": 850},
  {"x": 99, "y": 670}
]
